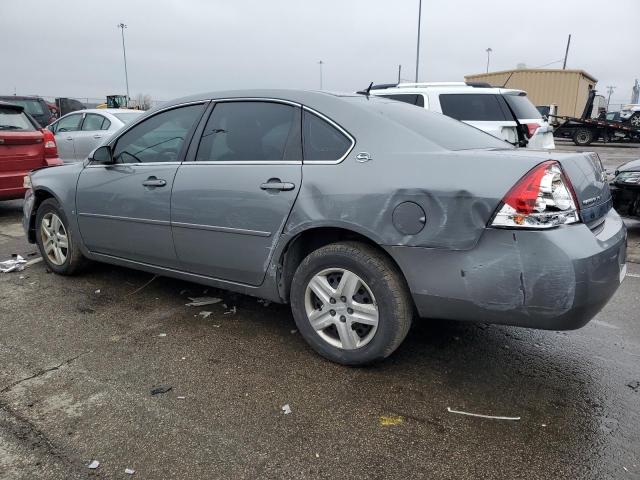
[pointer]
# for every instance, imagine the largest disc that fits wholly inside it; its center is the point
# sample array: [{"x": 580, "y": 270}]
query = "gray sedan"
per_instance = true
[
  {"x": 360, "y": 212},
  {"x": 78, "y": 133}
]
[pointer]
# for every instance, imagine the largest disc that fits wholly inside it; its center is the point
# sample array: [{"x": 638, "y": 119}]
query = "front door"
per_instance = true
[
  {"x": 232, "y": 197},
  {"x": 65, "y": 130},
  {"x": 92, "y": 133},
  {"x": 124, "y": 208}
]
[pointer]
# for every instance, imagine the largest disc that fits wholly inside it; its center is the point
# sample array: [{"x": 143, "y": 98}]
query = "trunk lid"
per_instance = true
[{"x": 21, "y": 151}]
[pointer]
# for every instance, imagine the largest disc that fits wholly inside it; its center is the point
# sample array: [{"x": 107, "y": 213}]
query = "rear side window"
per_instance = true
[
  {"x": 411, "y": 99},
  {"x": 92, "y": 122},
  {"x": 14, "y": 120},
  {"x": 473, "y": 107},
  {"x": 522, "y": 107},
  {"x": 321, "y": 140},
  {"x": 158, "y": 138},
  {"x": 251, "y": 131}
]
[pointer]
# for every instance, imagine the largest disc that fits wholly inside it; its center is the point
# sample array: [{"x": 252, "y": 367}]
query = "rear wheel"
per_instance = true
[
  {"x": 583, "y": 136},
  {"x": 56, "y": 242},
  {"x": 350, "y": 303},
  {"x": 634, "y": 120}
]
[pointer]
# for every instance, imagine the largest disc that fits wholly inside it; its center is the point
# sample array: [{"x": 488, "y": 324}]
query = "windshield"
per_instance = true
[
  {"x": 127, "y": 117},
  {"x": 34, "y": 107},
  {"x": 437, "y": 128},
  {"x": 11, "y": 119},
  {"x": 522, "y": 107}
]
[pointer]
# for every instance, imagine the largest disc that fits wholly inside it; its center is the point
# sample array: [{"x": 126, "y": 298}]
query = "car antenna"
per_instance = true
[
  {"x": 507, "y": 80},
  {"x": 366, "y": 92}
]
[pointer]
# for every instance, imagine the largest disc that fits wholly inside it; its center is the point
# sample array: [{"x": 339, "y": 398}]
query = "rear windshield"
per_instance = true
[
  {"x": 127, "y": 117},
  {"x": 439, "y": 129},
  {"x": 522, "y": 107},
  {"x": 11, "y": 119},
  {"x": 480, "y": 107},
  {"x": 33, "y": 107},
  {"x": 410, "y": 98}
]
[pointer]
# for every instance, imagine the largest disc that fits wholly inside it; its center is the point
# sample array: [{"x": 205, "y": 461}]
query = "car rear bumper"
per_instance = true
[
  {"x": 556, "y": 279},
  {"x": 11, "y": 185}
]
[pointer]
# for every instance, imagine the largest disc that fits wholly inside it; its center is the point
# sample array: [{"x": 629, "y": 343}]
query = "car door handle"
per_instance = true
[
  {"x": 285, "y": 186},
  {"x": 97, "y": 136},
  {"x": 69, "y": 138},
  {"x": 154, "y": 182}
]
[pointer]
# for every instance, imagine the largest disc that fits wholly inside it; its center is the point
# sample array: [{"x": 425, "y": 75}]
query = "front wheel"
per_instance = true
[
  {"x": 351, "y": 303},
  {"x": 634, "y": 120},
  {"x": 583, "y": 137}
]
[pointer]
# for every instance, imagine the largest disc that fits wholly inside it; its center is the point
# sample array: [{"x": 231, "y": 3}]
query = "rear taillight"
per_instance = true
[
  {"x": 543, "y": 198},
  {"x": 50, "y": 147},
  {"x": 531, "y": 129}
]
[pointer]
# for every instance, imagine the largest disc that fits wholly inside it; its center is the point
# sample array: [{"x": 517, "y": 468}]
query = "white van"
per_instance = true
[{"x": 503, "y": 112}]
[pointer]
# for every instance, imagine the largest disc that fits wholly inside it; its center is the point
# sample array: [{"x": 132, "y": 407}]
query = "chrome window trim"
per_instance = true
[
  {"x": 137, "y": 164},
  {"x": 339, "y": 128},
  {"x": 256, "y": 99}
]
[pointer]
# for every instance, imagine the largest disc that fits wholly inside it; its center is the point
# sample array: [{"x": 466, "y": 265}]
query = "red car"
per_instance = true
[{"x": 24, "y": 146}]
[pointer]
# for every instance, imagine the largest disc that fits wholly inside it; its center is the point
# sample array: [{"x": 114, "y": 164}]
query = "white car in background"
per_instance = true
[
  {"x": 631, "y": 113},
  {"x": 502, "y": 112},
  {"x": 79, "y": 133}
]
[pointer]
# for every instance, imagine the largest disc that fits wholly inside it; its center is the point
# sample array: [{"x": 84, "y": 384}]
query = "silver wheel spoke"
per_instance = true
[
  {"x": 320, "y": 319},
  {"x": 365, "y": 313},
  {"x": 55, "y": 224},
  {"x": 49, "y": 247},
  {"x": 348, "y": 285},
  {"x": 320, "y": 286},
  {"x": 58, "y": 255},
  {"x": 63, "y": 242},
  {"x": 348, "y": 337}
]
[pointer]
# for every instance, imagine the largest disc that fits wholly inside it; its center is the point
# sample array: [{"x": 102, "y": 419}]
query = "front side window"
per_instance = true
[
  {"x": 481, "y": 107},
  {"x": 70, "y": 123},
  {"x": 321, "y": 140},
  {"x": 410, "y": 98},
  {"x": 251, "y": 131},
  {"x": 159, "y": 138},
  {"x": 92, "y": 122}
]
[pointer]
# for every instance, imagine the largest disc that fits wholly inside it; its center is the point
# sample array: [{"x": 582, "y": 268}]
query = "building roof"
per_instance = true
[{"x": 534, "y": 70}]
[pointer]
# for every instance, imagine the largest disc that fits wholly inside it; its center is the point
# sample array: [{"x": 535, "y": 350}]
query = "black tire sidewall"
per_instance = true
[
  {"x": 387, "y": 330},
  {"x": 588, "y": 132},
  {"x": 51, "y": 206}
]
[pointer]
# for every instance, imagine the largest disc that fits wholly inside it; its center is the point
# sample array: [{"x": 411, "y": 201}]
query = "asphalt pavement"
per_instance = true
[{"x": 81, "y": 355}]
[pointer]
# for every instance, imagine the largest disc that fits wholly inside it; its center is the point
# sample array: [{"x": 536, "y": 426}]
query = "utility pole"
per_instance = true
[
  {"x": 488, "y": 50},
  {"x": 122, "y": 26},
  {"x": 399, "y": 72},
  {"x": 610, "y": 89},
  {"x": 566, "y": 53},
  {"x": 320, "y": 63},
  {"x": 418, "y": 44}
]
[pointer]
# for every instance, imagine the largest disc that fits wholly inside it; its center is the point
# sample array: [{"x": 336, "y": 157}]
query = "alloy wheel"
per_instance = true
[
  {"x": 341, "y": 308},
  {"x": 55, "y": 240}
]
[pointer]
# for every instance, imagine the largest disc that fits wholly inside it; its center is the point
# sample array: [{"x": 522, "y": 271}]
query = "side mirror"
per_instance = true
[{"x": 102, "y": 155}]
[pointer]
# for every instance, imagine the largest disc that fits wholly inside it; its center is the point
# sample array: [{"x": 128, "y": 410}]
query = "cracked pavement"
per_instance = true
[{"x": 78, "y": 368}]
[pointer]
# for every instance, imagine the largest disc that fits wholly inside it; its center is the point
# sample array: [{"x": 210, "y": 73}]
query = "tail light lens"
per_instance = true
[
  {"x": 531, "y": 129},
  {"x": 50, "y": 147},
  {"x": 543, "y": 198}
]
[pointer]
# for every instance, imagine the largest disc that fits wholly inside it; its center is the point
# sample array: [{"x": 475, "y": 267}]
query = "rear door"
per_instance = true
[
  {"x": 124, "y": 208},
  {"x": 65, "y": 130},
  {"x": 92, "y": 133},
  {"x": 485, "y": 111},
  {"x": 234, "y": 193}
]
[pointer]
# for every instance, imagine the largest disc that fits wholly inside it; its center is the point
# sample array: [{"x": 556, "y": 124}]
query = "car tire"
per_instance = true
[
  {"x": 378, "y": 296},
  {"x": 55, "y": 240},
  {"x": 634, "y": 120},
  {"x": 583, "y": 136}
]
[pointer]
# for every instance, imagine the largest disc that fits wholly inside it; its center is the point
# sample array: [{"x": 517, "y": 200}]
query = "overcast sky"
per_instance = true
[{"x": 179, "y": 47}]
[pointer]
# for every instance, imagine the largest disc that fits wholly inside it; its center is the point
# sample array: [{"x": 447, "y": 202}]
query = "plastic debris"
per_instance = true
[
  {"x": 204, "y": 314},
  {"x": 390, "y": 420},
  {"x": 231, "y": 311},
  {"x": 181, "y": 398},
  {"x": 317, "y": 455},
  {"x": 94, "y": 464},
  {"x": 286, "y": 409},
  {"x": 97, "y": 291},
  {"x": 160, "y": 389},
  {"x": 162, "y": 334},
  {"x": 294, "y": 331},
  {"x": 493, "y": 417},
  {"x": 129, "y": 471},
  {"x": 202, "y": 301},
  {"x": 16, "y": 264}
]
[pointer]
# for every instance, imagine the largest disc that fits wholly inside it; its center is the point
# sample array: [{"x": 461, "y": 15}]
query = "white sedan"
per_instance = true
[{"x": 78, "y": 133}]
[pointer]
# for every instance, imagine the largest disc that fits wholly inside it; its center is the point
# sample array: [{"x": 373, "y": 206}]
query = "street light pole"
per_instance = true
[
  {"x": 418, "y": 43},
  {"x": 320, "y": 63},
  {"x": 122, "y": 26},
  {"x": 610, "y": 89},
  {"x": 488, "y": 50}
]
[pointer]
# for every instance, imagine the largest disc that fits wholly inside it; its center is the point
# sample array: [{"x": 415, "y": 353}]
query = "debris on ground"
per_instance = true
[
  {"x": 160, "y": 389},
  {"x": 181, "y": 398},
  {"x": 162, "y": 334},
  {"x": 141, "y": 287},
  {"x": 202, "y": 301},
  {"x": 97, "y": 291},
  {"x": 390, "y": 420},
  {"x": 205, "y": 314},
  {"x": 493, "y": 417},
  {"x": 231, "y": 311},
  {"x": 129, "y": 471},
  {"x": 16, "y": 264},
  {"x": 286, "y": 409},
  {"x": 294, "y": 331},
  {"x": 264, "y": 302},
  {"x": 317, "y": 455},
  {"x": 635, "y": 385},
  {"x": 94, "y": 464}
]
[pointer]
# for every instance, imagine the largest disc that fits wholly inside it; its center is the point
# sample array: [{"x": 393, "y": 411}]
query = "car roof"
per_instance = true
[{"x": 445, "y": 87}]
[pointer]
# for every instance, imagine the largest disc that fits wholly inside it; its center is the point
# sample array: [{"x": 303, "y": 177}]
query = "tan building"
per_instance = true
[{"x": 566, "y": 88}]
